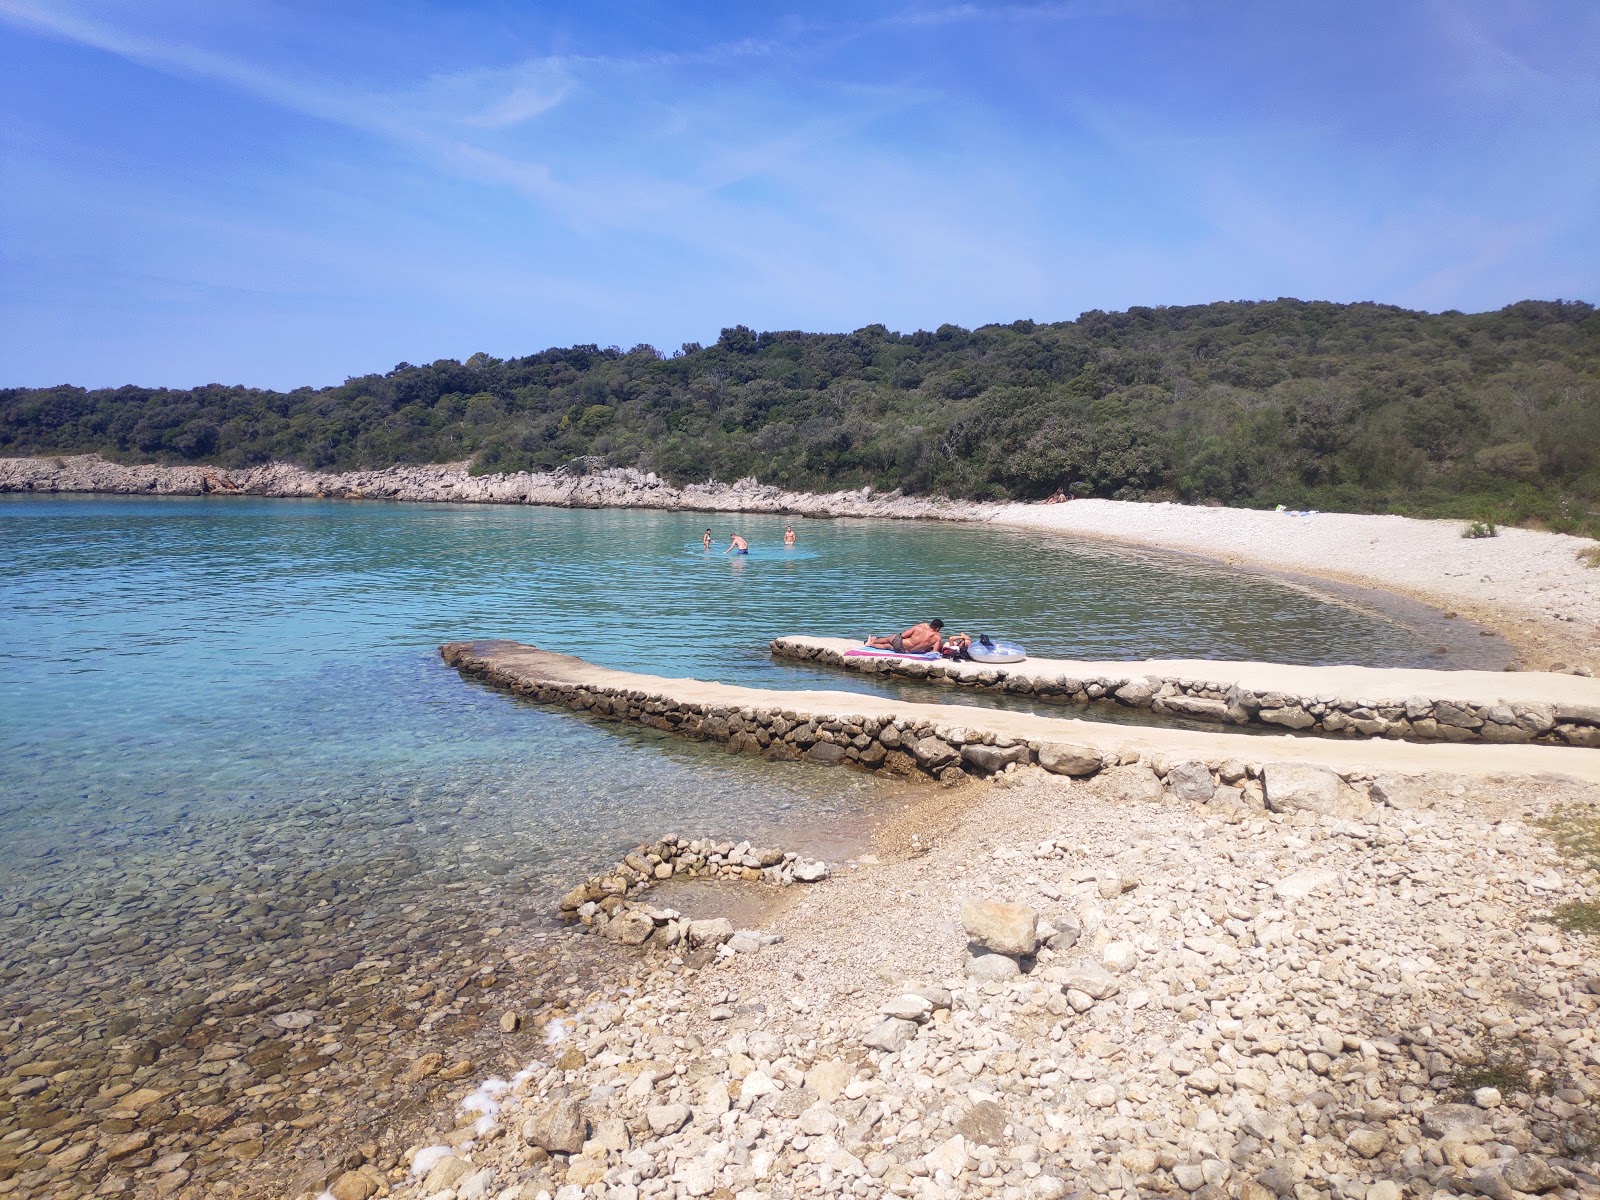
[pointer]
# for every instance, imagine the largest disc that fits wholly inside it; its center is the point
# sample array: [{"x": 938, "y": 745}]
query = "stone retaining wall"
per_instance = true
[
  {"x": 1415, "y": 718},
  {"x": 948, "y": 753}
]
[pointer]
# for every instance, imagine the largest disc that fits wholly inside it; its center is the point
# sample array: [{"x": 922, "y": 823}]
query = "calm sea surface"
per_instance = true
[
  {"x": 238, "y": 784},
  {"x": 214, "y": 659}
]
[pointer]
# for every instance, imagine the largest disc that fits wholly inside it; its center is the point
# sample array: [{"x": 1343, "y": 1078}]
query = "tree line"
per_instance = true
[{"x": 1354, "y": 407}]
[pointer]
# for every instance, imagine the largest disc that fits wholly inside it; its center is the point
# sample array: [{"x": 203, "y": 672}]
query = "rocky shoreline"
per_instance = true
[
  {"x": 1073, "y": 990},
  {"x": 601, "y": 487}
]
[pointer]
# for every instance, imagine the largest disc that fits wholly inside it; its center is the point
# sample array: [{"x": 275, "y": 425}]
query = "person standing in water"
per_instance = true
[
  {"x": 737, "y": 545},
  {"x": 788, "y": 535},
  {"x": 706, "y": 541}
]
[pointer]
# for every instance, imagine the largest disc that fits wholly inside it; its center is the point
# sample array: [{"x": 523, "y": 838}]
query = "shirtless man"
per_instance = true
[
  {"x": 788, "y": 535},
  {"x": 737, "y": 545},
  {"x": 919, "y": 639}
]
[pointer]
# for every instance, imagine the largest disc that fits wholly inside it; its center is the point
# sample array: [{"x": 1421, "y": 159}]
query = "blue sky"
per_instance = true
[{"x": 280, "y": 194}]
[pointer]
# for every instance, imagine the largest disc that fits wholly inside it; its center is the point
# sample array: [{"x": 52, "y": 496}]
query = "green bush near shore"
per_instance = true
[{"x": 1358, "y": 407}]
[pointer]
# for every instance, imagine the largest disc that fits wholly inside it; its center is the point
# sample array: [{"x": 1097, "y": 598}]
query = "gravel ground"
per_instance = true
[
  {"x": 1530, "y": 586},
  {"x": 1366, "y": 1000}
]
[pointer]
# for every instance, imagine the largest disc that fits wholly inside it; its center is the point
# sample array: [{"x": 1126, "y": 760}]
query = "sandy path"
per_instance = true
[{"x": 1530, "y": 586}]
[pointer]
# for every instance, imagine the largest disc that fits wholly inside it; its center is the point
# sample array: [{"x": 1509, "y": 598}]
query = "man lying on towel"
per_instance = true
[{"x": 919, "y": 639}]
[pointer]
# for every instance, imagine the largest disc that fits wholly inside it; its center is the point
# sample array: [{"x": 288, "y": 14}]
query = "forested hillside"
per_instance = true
[{"x": 1357, "y": 407}]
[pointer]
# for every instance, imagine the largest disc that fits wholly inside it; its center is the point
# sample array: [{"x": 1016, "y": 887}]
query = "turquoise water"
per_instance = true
[
  {"x": 236, "y": 779},
  {"x": 172, "y": 657}
]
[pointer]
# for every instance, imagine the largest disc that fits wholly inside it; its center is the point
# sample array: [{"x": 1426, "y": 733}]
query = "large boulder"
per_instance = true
[
  {"x": 993, "y": 758},
  {"x": 1061, "y": 758},
  {"x": 631, "y": 928},
  {"x": 934, "y": 755},
  {"x": 1003, "y": 928},
  {"x": 1191, "y": 782},
  {"x": 1291, "y": 786},
  {"x": 1135, "y": 784}
]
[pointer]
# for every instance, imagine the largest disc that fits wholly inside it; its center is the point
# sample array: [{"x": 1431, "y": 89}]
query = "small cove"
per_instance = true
[{"x": 231, "y": 754}]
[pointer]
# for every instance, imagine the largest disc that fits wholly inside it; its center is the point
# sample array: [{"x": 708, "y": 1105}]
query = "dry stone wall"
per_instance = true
[
  {"x": 949, "y": 753},
  {"x": 1416, "y": 718}
]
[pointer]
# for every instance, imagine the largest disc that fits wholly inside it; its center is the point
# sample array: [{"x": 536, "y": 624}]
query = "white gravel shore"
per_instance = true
[
  {"x": 1531, "y": 586},
  {"x": 1285, "y": 1006}
]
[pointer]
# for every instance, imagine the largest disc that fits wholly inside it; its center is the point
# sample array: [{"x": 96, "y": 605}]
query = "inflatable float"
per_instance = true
[{"x": 985, "y": 649}]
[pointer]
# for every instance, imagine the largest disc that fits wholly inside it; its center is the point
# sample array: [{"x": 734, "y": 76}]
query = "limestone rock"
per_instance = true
[
  {"x": 1191, "y": 782},
  {"x": 890, "y": 1035},
  {"x": 1060, "y": 758},
  {"x": 631, "y": 928},
  {"x": 997, "y": 968},
  {"x": 1291, "y": 786},
  {"x": 1451, "y": 1120},
  {"x": 1368, "y": 1143},
  {"x": 353, "y": 1185},
  {"x": 667, "y": 1118},
  {"x": 932, "y": 754},
  {"x": 1091, "y": 979},
  {"x": 1529, "y": 1173},
  {"x": 993, "y": 758},
  {"x": 1135, "y": 784},
  {"x": 710, "y": 933},
  {"x": 447, "y": 1172},
  {"x": 558, "y": 1127},
  {"x": 1304, "y": 882},
  {"x": 1001, "y": 927},
  {"x": 1119, "y": 957}
]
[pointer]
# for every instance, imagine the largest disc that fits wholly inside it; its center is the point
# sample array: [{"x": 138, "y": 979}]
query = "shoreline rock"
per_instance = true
[{"x": 610, "y": 487}]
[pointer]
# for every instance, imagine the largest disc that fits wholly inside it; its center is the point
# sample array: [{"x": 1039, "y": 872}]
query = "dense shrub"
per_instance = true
[{"x": 1357, "y": 406}]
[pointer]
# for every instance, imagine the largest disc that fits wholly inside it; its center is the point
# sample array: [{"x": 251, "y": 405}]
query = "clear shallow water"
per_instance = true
[{"x": 169, "y": 656}]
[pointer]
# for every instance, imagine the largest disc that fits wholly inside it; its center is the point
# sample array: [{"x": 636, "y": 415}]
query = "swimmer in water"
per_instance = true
[
  {"x": 706, "y": 541},
  {"x": 788, "y": 535},
  {"x": 737, "y": 545}
]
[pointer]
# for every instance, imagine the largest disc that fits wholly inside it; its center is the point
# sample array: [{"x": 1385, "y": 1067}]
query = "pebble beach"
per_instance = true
[
  {"x": 1163, "y": 980},
  {"x": 1045, "y": 988}
]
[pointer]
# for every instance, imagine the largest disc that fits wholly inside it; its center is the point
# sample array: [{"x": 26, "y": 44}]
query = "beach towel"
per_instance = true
[{"x": 874, "y": 652}]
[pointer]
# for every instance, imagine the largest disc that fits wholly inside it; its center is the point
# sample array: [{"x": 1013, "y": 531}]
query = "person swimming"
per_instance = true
[
  {"x": 706, "y": 541},
  {"x": 788, "y": 535},
  {"x": 737, "y": 545}
]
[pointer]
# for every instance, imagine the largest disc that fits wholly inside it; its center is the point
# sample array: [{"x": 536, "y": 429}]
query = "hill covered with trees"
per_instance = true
[{"x": 1358, "y": 407}]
